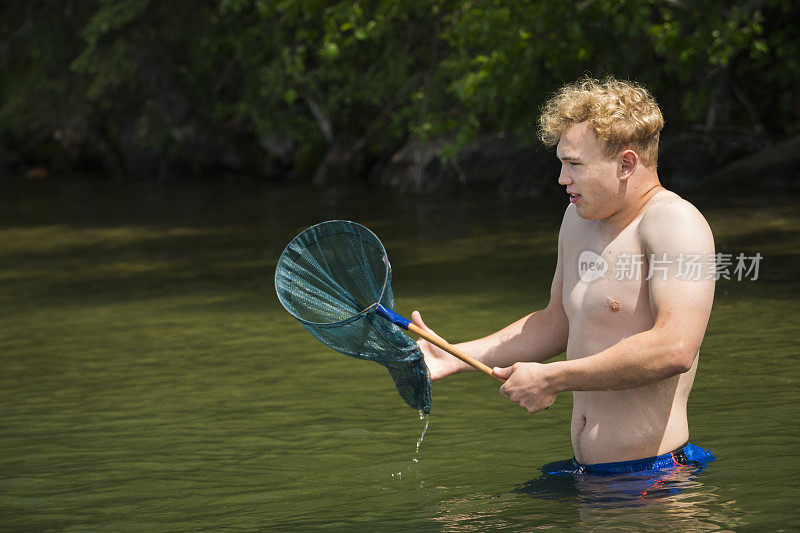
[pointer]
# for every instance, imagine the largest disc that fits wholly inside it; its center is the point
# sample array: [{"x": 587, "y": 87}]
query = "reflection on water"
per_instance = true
[
  {"x": 675, "y": 500},
  {"x": 678, "y": 499}
]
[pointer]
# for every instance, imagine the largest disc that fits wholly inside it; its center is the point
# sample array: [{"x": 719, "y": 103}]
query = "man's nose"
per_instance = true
[{"x": 563, "y": 177}]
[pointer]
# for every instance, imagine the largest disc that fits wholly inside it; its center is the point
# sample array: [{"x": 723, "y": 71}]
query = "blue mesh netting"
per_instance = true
[{"x": 329, "y": 278}]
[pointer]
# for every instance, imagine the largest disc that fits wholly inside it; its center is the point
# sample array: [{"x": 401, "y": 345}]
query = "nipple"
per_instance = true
[{"x": 613, "y": 304}]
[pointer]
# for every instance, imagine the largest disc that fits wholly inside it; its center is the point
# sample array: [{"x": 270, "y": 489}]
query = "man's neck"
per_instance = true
[{"x": 633, "y": 207}]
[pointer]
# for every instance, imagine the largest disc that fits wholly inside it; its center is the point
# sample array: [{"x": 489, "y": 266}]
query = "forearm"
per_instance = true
[
  {"x": 639, "y": 360},
  {"x": 536, "y": 337}
]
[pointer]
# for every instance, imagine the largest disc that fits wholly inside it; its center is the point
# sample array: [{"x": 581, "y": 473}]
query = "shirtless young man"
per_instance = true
[{"x": 631, "y": 335}]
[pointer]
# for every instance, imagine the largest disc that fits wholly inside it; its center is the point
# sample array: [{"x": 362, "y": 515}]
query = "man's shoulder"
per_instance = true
[
  {"x": 571, "y": 217},
  {"x": 671, "y": 218},
  {"x": 571, "y": 224},
  {"x": 667, "y": 208}
]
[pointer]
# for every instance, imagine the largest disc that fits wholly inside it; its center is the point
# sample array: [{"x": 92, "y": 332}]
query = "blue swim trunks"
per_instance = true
[
  {"x": 624, "y": 483},
  {"x": 686, "y": 455}
]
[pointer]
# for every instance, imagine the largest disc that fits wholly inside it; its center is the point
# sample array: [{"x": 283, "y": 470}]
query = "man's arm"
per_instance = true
[
  {"x": 538, "y": 336},
  {"x": 680, "y": 307}
]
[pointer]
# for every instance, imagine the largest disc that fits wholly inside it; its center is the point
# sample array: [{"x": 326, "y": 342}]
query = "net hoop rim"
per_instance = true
[{"x": 369, "y": 309}]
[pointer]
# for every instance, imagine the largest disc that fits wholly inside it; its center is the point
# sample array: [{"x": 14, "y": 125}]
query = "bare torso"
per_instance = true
[{"x": 627, "y": 424}]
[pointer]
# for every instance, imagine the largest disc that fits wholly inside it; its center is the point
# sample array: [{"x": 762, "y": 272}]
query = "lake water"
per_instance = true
[{"x": 151, "y": 381}]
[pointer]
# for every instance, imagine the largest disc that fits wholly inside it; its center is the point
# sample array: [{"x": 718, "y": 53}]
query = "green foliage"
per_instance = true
[
  {"x": 509, "y": 56},
  {"x": 37, "y": 90},
  {"x": 374, "y": 74}
]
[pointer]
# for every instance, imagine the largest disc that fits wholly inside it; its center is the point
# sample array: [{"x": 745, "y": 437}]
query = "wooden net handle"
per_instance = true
[{"x": 449, "y": 348}]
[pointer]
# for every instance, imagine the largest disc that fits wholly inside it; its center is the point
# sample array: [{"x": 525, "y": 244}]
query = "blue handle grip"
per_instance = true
[{"x": 392, "y": 317}]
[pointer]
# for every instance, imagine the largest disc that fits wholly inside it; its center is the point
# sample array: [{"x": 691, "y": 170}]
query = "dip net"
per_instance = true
[{"x": 332, "y": 278}]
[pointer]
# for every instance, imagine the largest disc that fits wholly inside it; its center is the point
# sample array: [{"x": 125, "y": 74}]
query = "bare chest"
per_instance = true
[{"x": 605, "y": 282}]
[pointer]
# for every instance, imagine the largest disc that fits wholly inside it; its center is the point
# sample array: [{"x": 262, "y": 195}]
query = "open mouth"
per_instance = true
[{"x": 574, "y": 197}]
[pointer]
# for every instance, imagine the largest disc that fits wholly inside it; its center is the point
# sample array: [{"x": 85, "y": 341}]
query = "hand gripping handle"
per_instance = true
[{"x": 406, "y": 324}]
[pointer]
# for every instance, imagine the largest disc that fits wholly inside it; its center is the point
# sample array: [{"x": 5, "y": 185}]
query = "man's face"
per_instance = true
[{"x": 591, "y": 178}]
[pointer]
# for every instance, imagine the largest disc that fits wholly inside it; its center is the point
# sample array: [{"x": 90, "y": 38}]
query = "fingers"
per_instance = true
[
  {"x": 426, "y": 347},
  {"x": 504, "y": 373},
  {"x": 416, "y": 318}
]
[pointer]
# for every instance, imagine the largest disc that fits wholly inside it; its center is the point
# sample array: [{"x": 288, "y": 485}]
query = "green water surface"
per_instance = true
[{"x": 151, "y": 381}]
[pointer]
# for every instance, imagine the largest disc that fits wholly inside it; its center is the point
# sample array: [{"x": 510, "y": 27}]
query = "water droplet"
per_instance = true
[{"x": 427, "y": 419}]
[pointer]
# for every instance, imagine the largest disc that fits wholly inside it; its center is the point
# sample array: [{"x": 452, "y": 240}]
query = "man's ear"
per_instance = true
[{"x": 628, "y": 161}]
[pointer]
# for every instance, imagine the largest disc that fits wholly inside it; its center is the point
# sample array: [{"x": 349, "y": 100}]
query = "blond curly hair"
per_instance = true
[{"x": 621, "y": 113}]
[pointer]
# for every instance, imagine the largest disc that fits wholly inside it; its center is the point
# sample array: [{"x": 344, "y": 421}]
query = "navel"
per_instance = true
[{"x": 612, "y": 304}]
